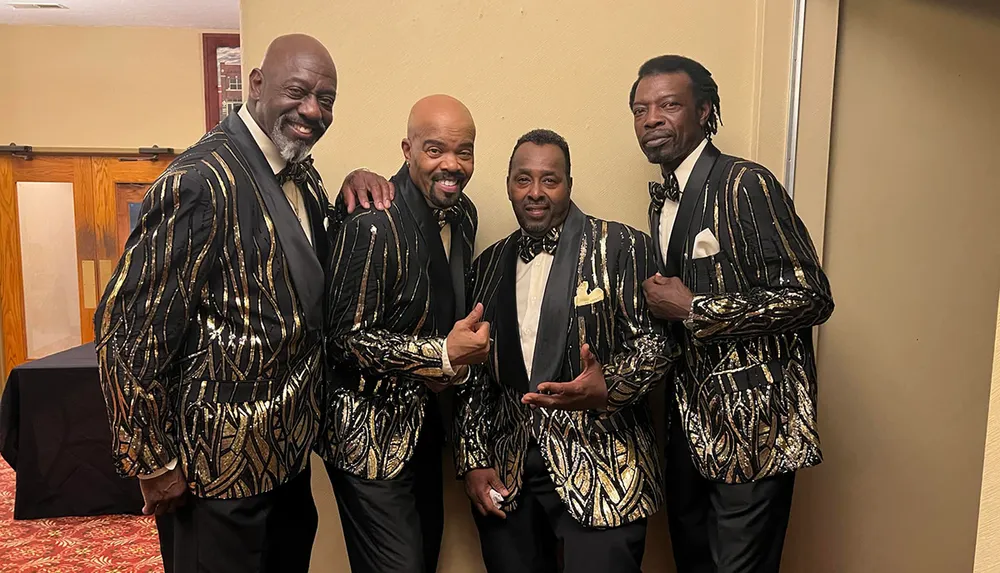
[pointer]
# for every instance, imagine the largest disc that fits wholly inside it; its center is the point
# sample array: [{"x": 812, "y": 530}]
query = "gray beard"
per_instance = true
[{"x": 290, "y": 150}]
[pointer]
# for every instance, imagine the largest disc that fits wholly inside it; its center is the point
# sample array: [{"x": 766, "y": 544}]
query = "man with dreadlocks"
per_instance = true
[{"x": 741, "y": 285}]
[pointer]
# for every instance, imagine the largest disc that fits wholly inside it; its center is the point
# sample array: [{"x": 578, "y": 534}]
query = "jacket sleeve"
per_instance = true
[
  {"x": 143, "y": 318},
  {"x": 788, "y": 289},
  {"x": 474, "y": 406},
  {"x": 646, "y": 352},
  {"x": 473, "y": 412},
  {"x": 367, "y": 275}
]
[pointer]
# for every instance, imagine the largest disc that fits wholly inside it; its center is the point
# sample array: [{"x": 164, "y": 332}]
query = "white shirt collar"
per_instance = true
[
  {"x": 267, "y": 147},
  {"x": 683, "y": 171}
]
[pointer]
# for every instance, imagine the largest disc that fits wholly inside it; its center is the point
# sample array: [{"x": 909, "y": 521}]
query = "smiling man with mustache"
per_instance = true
[
  {"x": 210, "y": 334},
  {"x": 741, "y": 286},
  {"x": 399, "y": 334},
  {"x": 554, "y": 436}
]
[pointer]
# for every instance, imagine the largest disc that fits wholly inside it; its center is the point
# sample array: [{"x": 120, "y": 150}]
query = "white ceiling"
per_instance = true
[{"x": 204, "y": 14}]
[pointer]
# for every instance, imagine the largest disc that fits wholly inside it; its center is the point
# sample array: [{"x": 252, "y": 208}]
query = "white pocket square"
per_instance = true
[
  {"x": 705, "y": 245},
  {"x": 585, "y": 296}
]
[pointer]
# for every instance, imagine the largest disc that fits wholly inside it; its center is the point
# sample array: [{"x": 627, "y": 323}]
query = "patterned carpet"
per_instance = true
[{"x": 107, "y": 544}]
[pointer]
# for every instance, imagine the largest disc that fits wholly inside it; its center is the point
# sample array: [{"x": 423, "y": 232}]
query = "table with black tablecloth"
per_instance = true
[{"x": 54, "y": 432}]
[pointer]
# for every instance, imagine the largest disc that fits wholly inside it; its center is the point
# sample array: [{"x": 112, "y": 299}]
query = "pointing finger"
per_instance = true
[
  {"x": 551, "y": 387},
  {"x": 540, "y": 400}
]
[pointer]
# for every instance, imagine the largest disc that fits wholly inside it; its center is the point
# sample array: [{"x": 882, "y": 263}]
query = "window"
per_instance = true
[
  {"x": 222, "y": 70},
  {"x": 229, "y": 107}
]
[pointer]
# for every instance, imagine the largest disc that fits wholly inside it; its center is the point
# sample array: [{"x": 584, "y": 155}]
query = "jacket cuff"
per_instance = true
[{"x": 169, "y": 467}]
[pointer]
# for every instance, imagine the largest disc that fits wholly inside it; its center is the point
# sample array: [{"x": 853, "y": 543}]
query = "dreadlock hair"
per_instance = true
[
  {"x": 704, "y": 87},
  {"x": 541, "y": 137}
]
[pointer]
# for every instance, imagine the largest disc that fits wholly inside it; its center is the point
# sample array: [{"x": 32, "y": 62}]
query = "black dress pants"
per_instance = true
[
  {"x": 395, "y": 525},
  {"x": 723, "y": 528},
  {"x": 526, "y": 541},
  {"x": 268, "y": 533}
]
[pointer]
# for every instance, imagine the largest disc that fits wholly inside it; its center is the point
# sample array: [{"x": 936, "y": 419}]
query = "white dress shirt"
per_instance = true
[
  {"x": 277, "y": 163},
  {"x": 668, "y": 214},
  {"x": 531, "y": 279}
]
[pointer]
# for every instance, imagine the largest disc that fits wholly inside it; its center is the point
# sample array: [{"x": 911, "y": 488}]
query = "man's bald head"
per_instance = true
[
  {"x": 439, "y": 148},
  {"x": 436, "y": 110},
  {"x": 292, "y": 93},
  {"x": 286, "y": 51}
]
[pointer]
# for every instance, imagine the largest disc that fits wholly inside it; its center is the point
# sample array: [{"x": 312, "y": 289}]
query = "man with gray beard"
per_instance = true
[{"x": 210, "y": 334}]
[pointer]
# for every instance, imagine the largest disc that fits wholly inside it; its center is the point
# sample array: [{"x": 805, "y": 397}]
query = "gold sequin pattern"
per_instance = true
[
  {"x": 382, "y": 343},
  {"x": 747, "y": 393},
  {"x": 201, "y": 339},
  {"x": 606, "y": 466}
]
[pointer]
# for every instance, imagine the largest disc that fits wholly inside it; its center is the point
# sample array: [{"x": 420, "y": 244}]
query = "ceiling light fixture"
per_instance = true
[{"x": 37, "y": 6}]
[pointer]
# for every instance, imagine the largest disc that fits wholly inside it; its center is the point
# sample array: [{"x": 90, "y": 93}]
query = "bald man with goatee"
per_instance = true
[
  {"x": 399, "y": 334},
  {"x": 210, "y": 334}
]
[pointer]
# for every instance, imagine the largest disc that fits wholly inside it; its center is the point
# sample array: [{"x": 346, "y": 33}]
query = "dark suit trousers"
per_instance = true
[
  {"x": 395, "y": 525},
  {"x": 268, "y": 533},
  {"x": 526, "y": 542},
  {"x": 723, "y": 528}
]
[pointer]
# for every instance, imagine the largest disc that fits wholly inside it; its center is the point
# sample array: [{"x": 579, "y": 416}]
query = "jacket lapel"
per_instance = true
[
  {"x": 443, "y": 294},
  {"x": 510, "y": 359},
  {"x": 315, "y": 203},
  {"x": 303, "y": 264},
  {"x": 554, "y": 324},
  {"x": 693, "y": 192},
  {"x": 458, "y": 261},
  {"x": 654, "y": 231}
]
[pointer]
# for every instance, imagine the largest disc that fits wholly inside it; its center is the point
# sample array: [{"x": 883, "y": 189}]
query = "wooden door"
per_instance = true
[
  {"x": 60, "y": 239},
  {"x": 124, "y": 185}
]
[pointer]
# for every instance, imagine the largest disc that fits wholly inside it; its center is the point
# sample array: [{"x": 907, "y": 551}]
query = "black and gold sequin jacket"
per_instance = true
[
  {"x": 747, "y": 390},
  {"x": 209, "y": 335},
  {"x": 393, "y": 298},
  {"x": 605, "y": 465}
]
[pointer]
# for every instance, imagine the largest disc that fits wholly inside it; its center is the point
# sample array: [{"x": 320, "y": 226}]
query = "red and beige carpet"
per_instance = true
[{"x": 105, "y": 544}]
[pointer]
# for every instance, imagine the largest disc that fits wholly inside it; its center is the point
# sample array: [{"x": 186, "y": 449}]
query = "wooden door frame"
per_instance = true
[
  {"x": 11, "y": 316},
  {"x": 210, "y": 44}
]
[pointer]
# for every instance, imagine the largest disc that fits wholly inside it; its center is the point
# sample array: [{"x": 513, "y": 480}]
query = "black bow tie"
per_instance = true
[
  {"x": 659, "y": 193},
  {"x": 528, "y": 247},
  {"x": 297, "y": 172},
  {"x": 447, "y": 216}
]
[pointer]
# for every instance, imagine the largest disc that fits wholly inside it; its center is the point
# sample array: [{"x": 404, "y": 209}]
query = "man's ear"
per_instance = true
[
  {"x": 406, "y": 149},
  {"x": 703, "y": 112},
  {"x": 256, "y": 83}
]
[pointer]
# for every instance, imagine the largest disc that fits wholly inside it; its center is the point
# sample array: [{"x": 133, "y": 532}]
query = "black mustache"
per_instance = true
[{"x": 656, "y": 135}]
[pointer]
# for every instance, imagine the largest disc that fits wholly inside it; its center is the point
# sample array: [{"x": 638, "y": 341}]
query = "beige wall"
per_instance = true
[
  {"x": 988, "y": 538},
  {"x": 520, "y": 66},
  {"x": 534, "y": 64},
  {"x": 913, "y": 253},
  {"x": 110, "y": 87}
]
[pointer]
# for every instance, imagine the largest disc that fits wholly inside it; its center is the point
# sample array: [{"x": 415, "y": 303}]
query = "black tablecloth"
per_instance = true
[{"x": 54, "y": 433}]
